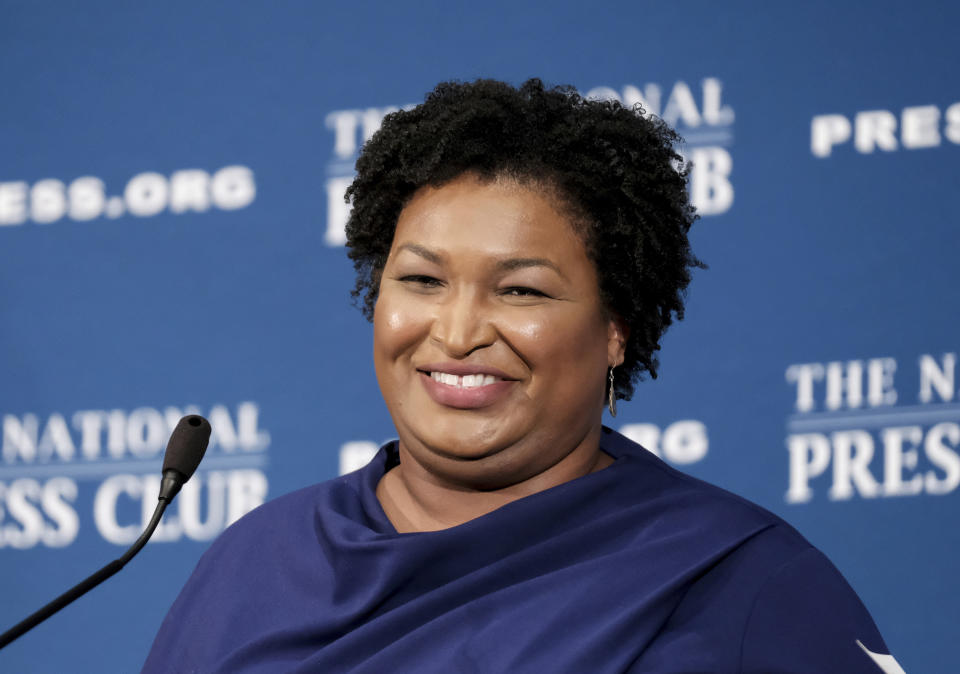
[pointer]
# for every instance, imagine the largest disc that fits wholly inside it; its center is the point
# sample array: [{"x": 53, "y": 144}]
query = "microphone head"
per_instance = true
[{"x": 187, "y": 444}]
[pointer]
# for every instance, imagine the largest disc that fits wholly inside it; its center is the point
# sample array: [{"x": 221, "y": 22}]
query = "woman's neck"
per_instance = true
[{"x": 416, "y": 500}]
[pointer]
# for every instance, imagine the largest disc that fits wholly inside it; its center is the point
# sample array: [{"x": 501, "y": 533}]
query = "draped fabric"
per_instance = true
[{"x": 635, "y": 568}]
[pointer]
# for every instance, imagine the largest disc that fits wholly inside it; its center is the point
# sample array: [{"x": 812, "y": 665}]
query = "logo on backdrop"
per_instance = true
[
  {"x": 851, "y": 435},
  {"x": 699, "y": 115},
  {"x": 680, "y": 443},
  {"x": 145, "y": 194},
  {"x": 916, "y": 127},
  {"x": 44, "y": 460}
]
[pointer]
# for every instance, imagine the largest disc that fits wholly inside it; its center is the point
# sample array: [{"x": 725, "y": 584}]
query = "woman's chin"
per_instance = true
[
  {"x": 460, "y": 441},
  {"x": 461, "y": 448}
]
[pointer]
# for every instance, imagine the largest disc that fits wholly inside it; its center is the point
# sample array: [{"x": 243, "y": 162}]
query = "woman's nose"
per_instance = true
[{"x": 462, "y": 325}]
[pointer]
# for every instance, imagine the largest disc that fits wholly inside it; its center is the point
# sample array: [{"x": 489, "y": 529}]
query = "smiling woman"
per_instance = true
[
  {"x": 521, "y": 253},
  {"x": 492, "y": 347}
]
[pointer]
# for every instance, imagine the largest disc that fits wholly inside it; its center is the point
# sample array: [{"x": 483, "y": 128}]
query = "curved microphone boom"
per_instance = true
[{"x": 185, "y": 449}]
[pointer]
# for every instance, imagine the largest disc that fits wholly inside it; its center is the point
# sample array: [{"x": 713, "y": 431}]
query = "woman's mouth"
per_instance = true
[
  {"x": 463, "y": 381},
  {"x": 465, "y": 391}
]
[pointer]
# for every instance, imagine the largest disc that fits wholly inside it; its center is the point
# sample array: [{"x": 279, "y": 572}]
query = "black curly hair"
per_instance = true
[{"x": 617, "y": 172}]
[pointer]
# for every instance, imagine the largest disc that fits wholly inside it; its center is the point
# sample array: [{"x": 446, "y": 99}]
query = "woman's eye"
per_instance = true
[
  {"x": 522, "y": 291},
  {"x": 420, "y": 280}
]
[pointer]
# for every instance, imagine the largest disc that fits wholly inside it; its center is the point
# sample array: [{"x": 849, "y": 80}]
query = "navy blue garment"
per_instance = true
[{"x": 634, "y": 568}]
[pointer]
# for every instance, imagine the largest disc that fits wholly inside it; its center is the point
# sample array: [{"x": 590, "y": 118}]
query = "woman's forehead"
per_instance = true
[{"x": 493, "y": 218}]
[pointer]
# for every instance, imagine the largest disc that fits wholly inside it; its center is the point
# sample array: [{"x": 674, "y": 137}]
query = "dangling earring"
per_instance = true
[{"x": 611, "y": 396}]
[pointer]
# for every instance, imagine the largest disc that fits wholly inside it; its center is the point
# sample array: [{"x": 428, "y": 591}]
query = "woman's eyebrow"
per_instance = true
[
  {"x": 423, "y": 252},
  {"x": 514, "y": 263}
]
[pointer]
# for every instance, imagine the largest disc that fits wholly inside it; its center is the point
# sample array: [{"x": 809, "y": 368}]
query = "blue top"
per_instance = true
[{"x": 634, "y": 568}]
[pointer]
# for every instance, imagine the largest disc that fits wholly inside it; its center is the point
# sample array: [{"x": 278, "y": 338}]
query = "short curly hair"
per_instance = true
[{"x": 616, "y": 170}]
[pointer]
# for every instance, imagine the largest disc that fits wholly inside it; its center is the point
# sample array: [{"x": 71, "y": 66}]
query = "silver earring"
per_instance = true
[{"x": 611, "y": 396}]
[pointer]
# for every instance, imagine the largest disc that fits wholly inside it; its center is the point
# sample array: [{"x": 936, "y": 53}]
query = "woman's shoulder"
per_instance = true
[
  {"x": 293, "y": 514},
  {"x": 242, "y": 583},
  {"x": 759, "y": 586},
  {"x": 690, "y": 503}
]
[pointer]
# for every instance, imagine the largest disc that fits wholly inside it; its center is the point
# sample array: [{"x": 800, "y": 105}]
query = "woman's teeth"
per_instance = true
[{"x": 466, "y": 381}]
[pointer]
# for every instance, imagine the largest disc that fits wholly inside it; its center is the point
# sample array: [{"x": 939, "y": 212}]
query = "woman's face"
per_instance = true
[{"x": 491, "y": 343}]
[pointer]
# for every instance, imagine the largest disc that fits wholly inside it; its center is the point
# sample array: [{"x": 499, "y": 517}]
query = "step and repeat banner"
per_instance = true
[{"x": 171, "y": 242}]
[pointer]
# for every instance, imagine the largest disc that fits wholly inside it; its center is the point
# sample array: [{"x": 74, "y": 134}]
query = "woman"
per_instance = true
[{"x": 521, "y": 252}]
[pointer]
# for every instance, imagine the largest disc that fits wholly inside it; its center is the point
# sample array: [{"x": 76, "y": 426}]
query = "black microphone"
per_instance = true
[{"x": 185, "y": 449}]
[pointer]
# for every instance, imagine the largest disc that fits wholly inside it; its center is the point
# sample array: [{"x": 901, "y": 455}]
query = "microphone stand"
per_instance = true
[
  {"x": 185, "y": 450},
  {"x": 86, "y": 585}
]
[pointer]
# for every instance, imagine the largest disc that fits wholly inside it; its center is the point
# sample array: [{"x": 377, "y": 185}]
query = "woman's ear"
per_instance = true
[{"x": 618, "y": 332}]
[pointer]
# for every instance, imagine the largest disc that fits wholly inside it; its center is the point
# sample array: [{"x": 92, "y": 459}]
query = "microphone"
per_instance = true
[{"x": 186, "y": 447}]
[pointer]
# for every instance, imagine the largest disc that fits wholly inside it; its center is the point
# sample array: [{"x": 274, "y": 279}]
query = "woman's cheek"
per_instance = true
[
  {"x": 548, "y": 332},
  {"x": 399, "y": 323},
  {"x": 528, "y": 325}
]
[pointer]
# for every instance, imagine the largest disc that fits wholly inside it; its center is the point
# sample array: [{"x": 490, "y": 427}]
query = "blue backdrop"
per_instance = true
[{"x": 170, "y": 241}]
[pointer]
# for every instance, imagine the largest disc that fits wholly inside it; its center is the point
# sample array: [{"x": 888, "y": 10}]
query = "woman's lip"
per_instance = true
[
  {"x": 463, "y": 369},
  {"x": 465, "y": 398}
]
